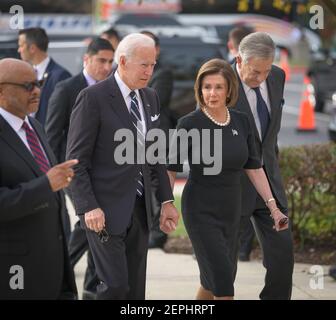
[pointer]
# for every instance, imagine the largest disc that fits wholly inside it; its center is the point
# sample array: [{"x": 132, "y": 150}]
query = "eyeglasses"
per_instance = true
[
  {"x": 103, "y": 236},
  {"x": 29, "y": 86}
]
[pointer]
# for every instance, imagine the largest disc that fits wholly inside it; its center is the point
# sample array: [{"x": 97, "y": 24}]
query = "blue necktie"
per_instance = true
[
  {"x": 136, "y": 119},
  {"x": 262, "y": 110}
]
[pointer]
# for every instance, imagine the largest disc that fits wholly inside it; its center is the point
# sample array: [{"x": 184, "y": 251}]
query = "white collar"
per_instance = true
[
  {"x": 125, "y": 90},
  {"x": 14, "y": 121},
  {"x": 42, "y": 67},
  {"x": 262, "y": 85}
]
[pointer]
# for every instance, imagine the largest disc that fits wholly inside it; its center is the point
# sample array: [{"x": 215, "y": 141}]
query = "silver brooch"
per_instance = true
[{"x": 234, "y": 132}]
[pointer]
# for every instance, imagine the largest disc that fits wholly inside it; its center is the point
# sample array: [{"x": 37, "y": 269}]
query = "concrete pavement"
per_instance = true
[{"x": 176, "y": 277}]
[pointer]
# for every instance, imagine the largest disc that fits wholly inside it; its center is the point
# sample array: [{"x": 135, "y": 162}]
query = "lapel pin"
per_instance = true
[{"x": 234, "y": 132}]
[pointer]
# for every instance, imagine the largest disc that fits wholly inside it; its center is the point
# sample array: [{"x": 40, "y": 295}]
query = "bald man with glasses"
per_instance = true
[{"x": 31, "y": 204}]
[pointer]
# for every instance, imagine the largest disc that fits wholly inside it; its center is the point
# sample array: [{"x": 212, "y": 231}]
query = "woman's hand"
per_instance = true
[{"x": 281, "y": 221}]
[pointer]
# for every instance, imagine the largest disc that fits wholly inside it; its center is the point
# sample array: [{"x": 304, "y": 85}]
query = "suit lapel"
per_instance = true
[
  {"x": 118, "y": 104},
  {"x": 82, "y": 83},
  {"x": 14, "y": 141},
  {"x": 49, "y": 153},
  {"x": 146, "y": 108},
  {"x": 244, "y": 105},
  {"x": 270, "y": 89},
  {"x": 45, "y": 144}
]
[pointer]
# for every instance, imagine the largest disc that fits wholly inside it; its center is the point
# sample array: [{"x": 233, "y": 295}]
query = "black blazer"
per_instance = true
[
  {"x": 60, "y": 106},
  {"x": 31, "y": 235},
  {"x": 100, "y": 182},
  {"x": 268, "y": 148},
  {"x": 162, "y": 82},
  {"x": 53, "y": 74}
]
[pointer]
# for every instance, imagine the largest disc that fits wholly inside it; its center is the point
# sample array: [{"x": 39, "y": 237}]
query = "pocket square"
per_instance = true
[{"x": 155, "y": 117}]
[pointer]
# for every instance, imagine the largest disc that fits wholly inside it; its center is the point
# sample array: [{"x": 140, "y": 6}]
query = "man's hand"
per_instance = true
[
  {"x": 95, "y": 219},
  {"x": 169, "y": 217},
  {"x": 60, "y": 176}
]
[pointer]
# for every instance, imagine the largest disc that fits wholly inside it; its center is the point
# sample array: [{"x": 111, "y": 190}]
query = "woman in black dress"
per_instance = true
[{"x": 211, "y": 201}]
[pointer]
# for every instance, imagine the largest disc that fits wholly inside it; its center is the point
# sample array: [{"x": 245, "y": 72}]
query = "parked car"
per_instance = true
[
  {"x": 184, "y": 56},
  {"x": 331, "y": 103},
  {"x": 67, "y": 51},
  {"x": 322, "y": 72}
]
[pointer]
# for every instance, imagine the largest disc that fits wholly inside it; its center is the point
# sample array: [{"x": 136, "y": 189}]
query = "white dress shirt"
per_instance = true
[
  {"x": 16, "y": 123},
  {"x": 89, "y": 80},
  {"x": 252, "y": 100},
  {"x": 41, "y": 68},
  {"x": 125, "y": 91}
]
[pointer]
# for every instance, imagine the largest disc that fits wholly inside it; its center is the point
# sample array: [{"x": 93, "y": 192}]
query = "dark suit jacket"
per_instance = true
[
  {"x": 162, "y": 83},
  {"x": 31, "y": 235},
  {"x": 100, "y": 182},
  {"x": 53, "y": 74},
  {"x": 268, "y": 148},
  {"x": 60, "y": 106}
]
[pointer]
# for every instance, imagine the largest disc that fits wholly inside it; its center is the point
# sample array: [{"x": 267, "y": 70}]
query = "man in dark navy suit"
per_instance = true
[
  {"x": 113, "y": 198},
  {"x": 97, "y": 67},
  {"x": 247, "y": 234},
  {"x": 261, "y": 88},
  {"x": 33, "y": 46}
]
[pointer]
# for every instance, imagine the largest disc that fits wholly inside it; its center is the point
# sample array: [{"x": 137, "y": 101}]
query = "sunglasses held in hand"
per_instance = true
[{"x": 103, "y": 236}]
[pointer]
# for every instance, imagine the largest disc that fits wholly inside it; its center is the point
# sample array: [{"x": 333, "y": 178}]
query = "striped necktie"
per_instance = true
[
  {"x": 137, "y": 122},
  {"x": 36, "y": 149},
  {"x": 262, "y": 110}
]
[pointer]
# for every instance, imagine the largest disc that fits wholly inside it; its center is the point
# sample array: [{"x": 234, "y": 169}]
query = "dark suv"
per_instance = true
[{"x": 184, "y": 56}]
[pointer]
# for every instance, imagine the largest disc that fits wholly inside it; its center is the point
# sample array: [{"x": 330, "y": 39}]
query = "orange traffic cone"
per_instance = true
[
  {"x": 284, "y": 65},
  {"x": 306, "y": 121}
]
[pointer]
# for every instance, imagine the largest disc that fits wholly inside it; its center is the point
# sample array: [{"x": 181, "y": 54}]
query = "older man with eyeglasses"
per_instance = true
[{"x": 31, "y": 206}]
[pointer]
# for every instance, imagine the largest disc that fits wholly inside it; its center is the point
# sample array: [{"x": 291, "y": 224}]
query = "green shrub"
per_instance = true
[{"x": 309, "y": 175}]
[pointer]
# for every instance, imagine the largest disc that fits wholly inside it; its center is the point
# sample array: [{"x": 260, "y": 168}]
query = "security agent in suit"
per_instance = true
[
  {"x": 261, "y": 98},
  {"x": 97, "y": 67},
  {"x": 247, "y": 234},
  {"x": 113, "y": 200},
  {"x": 162, "y": 83},
  {"x": 31, "y": 235},
  {"x": 33, "y": 46}
]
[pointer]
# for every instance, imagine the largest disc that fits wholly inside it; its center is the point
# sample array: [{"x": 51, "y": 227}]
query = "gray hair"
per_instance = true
[
  {"x": 132, "y": 41},
  {"x": 257, "y": 45}
]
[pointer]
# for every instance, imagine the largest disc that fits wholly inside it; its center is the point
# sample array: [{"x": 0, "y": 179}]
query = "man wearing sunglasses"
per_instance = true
[
  {"x": 31, "y": 204},
  {"x": 33, "y": 46}
]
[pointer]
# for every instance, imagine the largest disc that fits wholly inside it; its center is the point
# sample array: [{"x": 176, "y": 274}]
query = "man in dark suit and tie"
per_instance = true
[
  {"x": 33, "y": 46},
  {"x": 261, "y": 87},
  {"x": 162, "y": 82},
  {"x": 112, "y": 197},
  {"x": 247, "y": 234},
  {"x": 34, "y": 262},
  {"x": 97, "y": 67}
]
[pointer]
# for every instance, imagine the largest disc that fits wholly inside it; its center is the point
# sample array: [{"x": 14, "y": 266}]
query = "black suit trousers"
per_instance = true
[
  {"x": 78, "y": 245},
  {"x": 278, "y": 256},
  {"x": 121, "y": 261}
]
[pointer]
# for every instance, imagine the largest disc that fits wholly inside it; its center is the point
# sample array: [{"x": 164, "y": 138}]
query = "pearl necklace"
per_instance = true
[{"x": 221, "y": 124}]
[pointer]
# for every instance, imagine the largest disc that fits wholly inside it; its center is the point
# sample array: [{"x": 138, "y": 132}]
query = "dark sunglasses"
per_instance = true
[
  {"x": 29, "y": 86},
  {"x": 103, "y": 236}
]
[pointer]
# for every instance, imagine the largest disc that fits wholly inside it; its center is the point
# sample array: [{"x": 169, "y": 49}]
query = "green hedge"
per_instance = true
[{"x": 309, "y": 174}]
